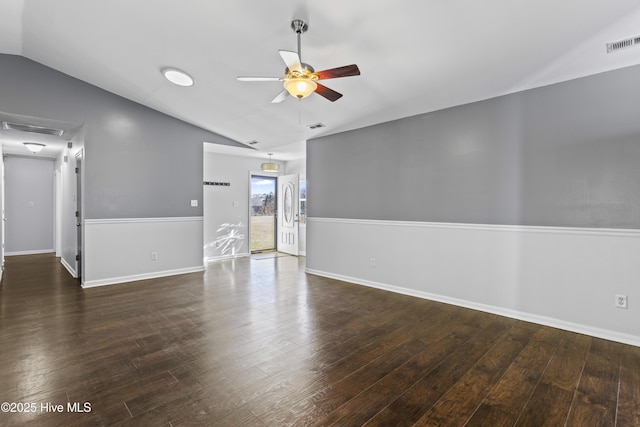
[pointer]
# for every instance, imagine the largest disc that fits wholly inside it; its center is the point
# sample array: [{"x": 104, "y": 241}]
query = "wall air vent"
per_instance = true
[
  {"x": 623, "y": 44},
  {"x": 31, "y": 128},
  {"x": 316, "y": 126},
  {"x": 252, "y": 142}
]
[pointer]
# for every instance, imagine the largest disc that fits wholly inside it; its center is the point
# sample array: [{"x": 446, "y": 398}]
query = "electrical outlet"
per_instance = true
[
  {"x": 621, "y": 301},
  {"x": 154, "y": 256},
  {"x": 372, "y": 262}
]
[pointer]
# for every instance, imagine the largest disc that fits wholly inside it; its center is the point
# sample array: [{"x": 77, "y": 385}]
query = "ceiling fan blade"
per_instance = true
[
  {"x": 291, "y": 59},
  {"x": 346, "y": 71},
  {"x": 259, "y": 79},
  {"x": 280, "y": 96},
  {"x": 330, "y": 94}
]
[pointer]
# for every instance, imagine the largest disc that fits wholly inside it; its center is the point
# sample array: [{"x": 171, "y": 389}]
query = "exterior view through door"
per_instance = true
[{"x": 262, "y": 214}]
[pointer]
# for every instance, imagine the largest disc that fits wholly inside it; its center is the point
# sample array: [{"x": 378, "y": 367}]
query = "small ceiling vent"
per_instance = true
[
  {"x": 623, "y": 44},
  {"x": 31, "y": 128},
  {"x": 252, "y": 142},
  {"x": 316, "y": 126}
]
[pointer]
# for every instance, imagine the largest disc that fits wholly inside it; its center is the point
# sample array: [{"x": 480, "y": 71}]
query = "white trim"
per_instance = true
[
  {"x": 142, "y": 220},
  {"x": 620, "y": 232},
  {"x": 527, "y": 317},
  {"x": 36, "y": 252},
  {"x": 70, "y": 269},
  {"x": 137, "y": 277}
]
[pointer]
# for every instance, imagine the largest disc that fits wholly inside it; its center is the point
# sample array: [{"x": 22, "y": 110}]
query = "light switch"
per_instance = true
[
  {"x": 235, "y": 204},
  {"x": 31, "y": 204},
  {"x": 194, "y": 203}
]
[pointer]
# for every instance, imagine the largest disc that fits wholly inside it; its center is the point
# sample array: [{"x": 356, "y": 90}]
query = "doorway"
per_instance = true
[
  {"x": 262, "y": 213},
  {"x": 79, "y": 216}
]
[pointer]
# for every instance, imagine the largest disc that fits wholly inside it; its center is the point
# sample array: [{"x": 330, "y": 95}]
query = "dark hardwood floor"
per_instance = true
[{"x": 257, "y": 342}]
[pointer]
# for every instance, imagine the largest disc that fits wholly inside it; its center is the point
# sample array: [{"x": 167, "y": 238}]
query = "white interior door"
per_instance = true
[{"x": 288, "y": 212}]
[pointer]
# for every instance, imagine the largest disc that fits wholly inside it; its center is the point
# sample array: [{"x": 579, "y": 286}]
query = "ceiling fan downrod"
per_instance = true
[{"x": 299, "y": 26}]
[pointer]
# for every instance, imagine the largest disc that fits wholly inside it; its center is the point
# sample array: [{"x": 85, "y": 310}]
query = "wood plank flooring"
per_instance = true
[{"x": 257, "y": 342}]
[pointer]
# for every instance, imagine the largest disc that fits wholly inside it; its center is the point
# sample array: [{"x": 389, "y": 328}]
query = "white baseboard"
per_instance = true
[
  {"x": 36, "y": 252},
  {"x": 527, "y": 317},
  {"x": 70, "y": 269},
  {"x": 137, "y": 277}
]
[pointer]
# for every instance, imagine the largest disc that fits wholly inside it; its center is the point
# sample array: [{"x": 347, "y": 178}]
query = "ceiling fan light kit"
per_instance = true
[
  {"x": 300, "y": 79},
  {"x": 300, "y": 87}
]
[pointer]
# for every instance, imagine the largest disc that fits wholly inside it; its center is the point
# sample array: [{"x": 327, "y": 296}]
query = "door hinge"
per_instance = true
[
  {"x": 77, "y": 214},
  {"x": 77, "y": 170},
  {"x": 77, "y": 257}
]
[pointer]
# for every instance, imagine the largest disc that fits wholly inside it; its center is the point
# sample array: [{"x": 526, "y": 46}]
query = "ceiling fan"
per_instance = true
[{"x": 300, "y": 79}]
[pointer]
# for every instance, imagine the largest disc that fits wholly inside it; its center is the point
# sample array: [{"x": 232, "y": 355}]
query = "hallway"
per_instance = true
[{"x": 257, "y": 342}]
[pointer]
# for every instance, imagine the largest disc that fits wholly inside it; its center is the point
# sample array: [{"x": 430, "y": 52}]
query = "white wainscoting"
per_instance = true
[
  {"x": 561, "y": 277},
  {"x": 119, "y": 250}
]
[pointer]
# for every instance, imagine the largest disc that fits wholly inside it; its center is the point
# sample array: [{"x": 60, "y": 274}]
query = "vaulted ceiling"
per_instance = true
[{"x": 415, "y": 56}]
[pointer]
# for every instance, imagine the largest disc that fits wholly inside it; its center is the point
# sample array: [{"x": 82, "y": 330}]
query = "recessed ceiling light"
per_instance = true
[{"x": 177, "y": 77}]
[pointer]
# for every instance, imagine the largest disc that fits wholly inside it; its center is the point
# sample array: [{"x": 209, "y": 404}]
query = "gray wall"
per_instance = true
[
  {"x": 29, "y": 205},
  {"x": 139, "y": 163},
  {"x": 561, "y": 155}
]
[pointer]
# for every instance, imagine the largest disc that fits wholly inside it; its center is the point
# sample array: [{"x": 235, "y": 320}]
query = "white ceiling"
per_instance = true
[{"x": 415, "y": 56}]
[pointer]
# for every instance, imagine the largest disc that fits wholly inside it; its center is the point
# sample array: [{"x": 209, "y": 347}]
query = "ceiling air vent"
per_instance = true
[
  {"x": 316, "y": 126},
  {"x": 252, "y": 144},
  {"x": 31, "y": 128},
  {"x": 623, "y": 44}
]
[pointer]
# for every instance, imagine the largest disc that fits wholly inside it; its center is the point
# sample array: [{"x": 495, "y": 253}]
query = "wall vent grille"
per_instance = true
[
  {"x": 623, "y": 44},
  {"x": 31, "y": 128},
  {"x": 316, "y": 126}
]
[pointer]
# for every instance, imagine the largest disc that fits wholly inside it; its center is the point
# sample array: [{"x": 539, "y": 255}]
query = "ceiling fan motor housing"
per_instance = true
[{"x": 306, "y": 68}]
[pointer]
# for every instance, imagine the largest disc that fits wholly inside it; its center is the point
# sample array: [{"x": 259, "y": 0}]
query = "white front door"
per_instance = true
[{"x": 288, "y": 211}]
